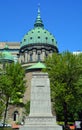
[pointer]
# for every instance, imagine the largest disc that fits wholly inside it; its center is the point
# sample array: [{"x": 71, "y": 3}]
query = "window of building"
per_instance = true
[
  {"x": 30, "y": 57},
  {"x": 38, "y": 57},
  {"x": 46, "y": 55},
  {"x": 15, "y": 116},
  {"x": 24, "y": 57}
]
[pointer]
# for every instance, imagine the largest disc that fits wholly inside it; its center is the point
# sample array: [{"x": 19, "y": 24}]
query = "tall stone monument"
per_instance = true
[{"x": 40, "y": 117}]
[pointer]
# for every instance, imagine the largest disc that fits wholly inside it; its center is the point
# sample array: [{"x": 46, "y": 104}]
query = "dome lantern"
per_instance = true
[{"x": 39, "y": 22}]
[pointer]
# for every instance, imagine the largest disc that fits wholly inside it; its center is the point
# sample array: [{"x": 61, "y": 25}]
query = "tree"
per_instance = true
[
  {"x": 12, "y": 83},
  {"x": 1, "y": 95},
  {"x": 2, "y": 106},
  {"x": 65, "y": 73}
]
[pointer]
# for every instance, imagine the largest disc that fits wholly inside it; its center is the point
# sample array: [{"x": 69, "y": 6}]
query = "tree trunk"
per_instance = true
[
  {"x": 5, "y": 114},
  {"x": 65, "y": 113}
]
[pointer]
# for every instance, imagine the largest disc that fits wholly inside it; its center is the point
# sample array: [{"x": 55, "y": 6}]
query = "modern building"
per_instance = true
[{"x": 36, "y": 44}]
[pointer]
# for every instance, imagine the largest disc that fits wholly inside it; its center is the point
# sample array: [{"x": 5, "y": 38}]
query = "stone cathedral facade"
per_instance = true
[{"x": 36, "y": 44}]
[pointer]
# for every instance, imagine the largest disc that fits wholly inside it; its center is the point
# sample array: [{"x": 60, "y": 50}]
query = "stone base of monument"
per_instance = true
[
  {"x": 40, "y": 117},
  {"x": 41, "y": 123},
  {"x": 40, "y": 127}
]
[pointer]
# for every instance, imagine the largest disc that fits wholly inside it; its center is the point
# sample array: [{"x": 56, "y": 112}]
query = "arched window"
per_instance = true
[
  {"x": 30, "y": 57},
  {"x": 46, "y": 55},
  {"x": 15, "y": 116},
  {"x": 38, "y": 57}
]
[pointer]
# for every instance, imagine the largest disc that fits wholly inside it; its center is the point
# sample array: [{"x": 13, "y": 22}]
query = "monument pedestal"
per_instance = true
[
  {"x": 41, "y": 123},
  {"x": 40, "y": 117}
]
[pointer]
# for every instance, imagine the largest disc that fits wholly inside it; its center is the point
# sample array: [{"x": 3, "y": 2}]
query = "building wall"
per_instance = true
[
  {"x": 27, "y": 57},
  {"x": 13, "y": 47}
]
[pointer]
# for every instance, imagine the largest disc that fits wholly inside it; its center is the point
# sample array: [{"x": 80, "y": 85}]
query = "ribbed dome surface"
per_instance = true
[{"x": 38, "y": 34}]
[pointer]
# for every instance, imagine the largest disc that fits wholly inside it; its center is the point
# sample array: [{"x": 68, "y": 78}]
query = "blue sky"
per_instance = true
[{"x": 63, "y": 18}]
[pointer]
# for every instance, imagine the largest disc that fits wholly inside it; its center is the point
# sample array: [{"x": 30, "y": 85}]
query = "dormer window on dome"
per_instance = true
[
  {"x": 38, "y": 37},
  {"x": 31, "y": 38}
]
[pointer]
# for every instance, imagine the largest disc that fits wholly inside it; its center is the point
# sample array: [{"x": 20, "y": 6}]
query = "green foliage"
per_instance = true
[
  {"x": 2, "y": 107},
  {"x": 2, "y": 99},
  {"x": 12, "y": 83},
  {"x": 65, "y": 73}
]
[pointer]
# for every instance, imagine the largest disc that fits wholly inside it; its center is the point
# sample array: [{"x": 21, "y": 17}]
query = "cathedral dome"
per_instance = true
[
  {"x": 38, "y": 34},
  {"x": 6, "y": 55},
  {"x": 37, "y": 44}
]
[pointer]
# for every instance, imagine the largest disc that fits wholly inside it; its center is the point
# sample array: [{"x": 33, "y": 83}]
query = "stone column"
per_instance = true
[
  {"x": 43, "y": 55},
  {"x": 50, "y": 53},
  {"x": 28, "y": 56},
  {"x": 19, "y": 59},
  {"x": 34, "y": 55}
]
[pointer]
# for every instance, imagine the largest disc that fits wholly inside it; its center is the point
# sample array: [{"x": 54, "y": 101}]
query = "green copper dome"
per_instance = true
[
  {"x": 38, "y": 34},
  {"x": 6, "y": 55}
]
